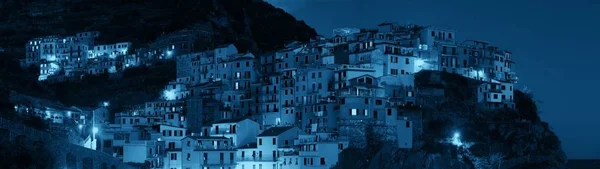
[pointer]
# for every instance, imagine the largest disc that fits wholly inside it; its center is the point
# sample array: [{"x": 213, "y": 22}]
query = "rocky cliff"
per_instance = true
[{"x": 487, "y": 139}]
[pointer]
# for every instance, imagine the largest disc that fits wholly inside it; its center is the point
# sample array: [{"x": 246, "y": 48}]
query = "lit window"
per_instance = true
[{"x": 354, "y": 112}]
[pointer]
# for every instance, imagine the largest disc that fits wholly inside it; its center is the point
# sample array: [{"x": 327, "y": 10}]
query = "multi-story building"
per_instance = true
[
  {"x": 241, "y": 131},
  {"x": 318, "y": 150},
  {"x": 270, "y": 146},
  {"x": 206, "y": 152}
]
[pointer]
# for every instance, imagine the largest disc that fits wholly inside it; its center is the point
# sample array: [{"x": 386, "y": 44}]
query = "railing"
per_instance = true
[
  {"x": 355, "y": 67},
  {"x": 322, "y": 139},
  {"x": 354, "y": 93},
  {"x": 212, "y": 147},
  {"x": 256, "y": 159}
]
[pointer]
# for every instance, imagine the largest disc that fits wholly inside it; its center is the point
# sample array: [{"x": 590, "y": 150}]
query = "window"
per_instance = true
[
  {"x": 394, "y": 71},
  {"x": 353, "y": 112},
  {"x": 274, "y": 141},
  {"x": 366, "y": 100},
  {"x": 322, "y": 160},
  {"x": 407, "y": 124},
  {"x": 260, "y": 141},
  {"x": 389, "y": 112},
  {"x": 366, "y": 112},
  {"x": 173, "y": 156},
  {"x": 495, "y": 96},
  {"x": 374, "y": 113},
  {"x": 407, "y": 61},
  {"x": 378, "y": 102}
]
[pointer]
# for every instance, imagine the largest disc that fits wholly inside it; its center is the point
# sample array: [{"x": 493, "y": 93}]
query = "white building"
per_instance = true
[
  {"x": 240, "y": 131},
  {"x": 270, "y": 145},
  {"x": 404, "y": 131},
  {"x": 205, "y": 152},
  {"x": 111, "y": 50},
  {"x": 317, "y": 151},
  {"x": 496, "y": 94}
]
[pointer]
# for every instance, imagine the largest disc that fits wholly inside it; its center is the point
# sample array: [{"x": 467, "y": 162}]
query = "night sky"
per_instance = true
[{"x": 554, "y": 45}]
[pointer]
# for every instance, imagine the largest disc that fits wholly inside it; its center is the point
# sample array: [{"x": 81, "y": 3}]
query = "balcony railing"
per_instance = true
[
  {"x": 259, "y": 159},
  {"x": 212, "y": 147}
]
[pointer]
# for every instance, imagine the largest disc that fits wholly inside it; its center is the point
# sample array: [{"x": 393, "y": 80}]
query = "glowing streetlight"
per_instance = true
[
  {"x": 456, "y": 140},
  {"x": 106, "y": 104},
  {"x": 95, "y": 130},
  {"x": 80, "y": 127}
]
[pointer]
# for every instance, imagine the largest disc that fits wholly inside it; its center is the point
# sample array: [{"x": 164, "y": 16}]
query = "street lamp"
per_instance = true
[
  {"x": 456, "y": 139},
  {"x": 95, "y": 131}
]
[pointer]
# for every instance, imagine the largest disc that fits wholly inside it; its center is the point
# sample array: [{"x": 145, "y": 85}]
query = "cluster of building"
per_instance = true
[
  {"x": 298, "y": 107},
  {"x": 73, "y": 56},
  {"x": 60, "y": 58}
]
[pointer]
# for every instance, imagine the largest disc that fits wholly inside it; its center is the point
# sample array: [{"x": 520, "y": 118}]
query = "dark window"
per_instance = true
[
  {"x": 274, "y": 141},
  {"x": 260, "y": 141},
  {"x": 322, "y": 160}
]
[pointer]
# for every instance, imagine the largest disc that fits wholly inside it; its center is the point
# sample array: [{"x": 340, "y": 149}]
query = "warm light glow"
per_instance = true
[
  {"x": 169, "y": 53},
  {"x": 170, "y": 94},
  {"x": 80, "y": 127},
  {"x": 106, "y": 104}
]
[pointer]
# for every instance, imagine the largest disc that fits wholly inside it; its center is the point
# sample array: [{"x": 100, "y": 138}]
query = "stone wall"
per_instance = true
[{"x": 67, "y": 155}]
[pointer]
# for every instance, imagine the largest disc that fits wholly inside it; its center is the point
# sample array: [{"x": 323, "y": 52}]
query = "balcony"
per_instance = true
[
  {"x": 257, "y": 159},
  {"x": 214, "y": 148},
  {"x": 355, "y": 67},
  {"x": 323, "y": 138}
]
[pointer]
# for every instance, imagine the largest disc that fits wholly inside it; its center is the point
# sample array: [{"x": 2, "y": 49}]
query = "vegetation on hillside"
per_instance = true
[
  {"x": 20, "y": 154},
  {"x": 506, "y": 135},
  {"x": 253, "y": 25}
]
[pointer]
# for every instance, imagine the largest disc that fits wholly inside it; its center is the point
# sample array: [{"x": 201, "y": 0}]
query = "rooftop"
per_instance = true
[
  {"x": 275, "y": 131},
  {"x": 231, "y": 120}
]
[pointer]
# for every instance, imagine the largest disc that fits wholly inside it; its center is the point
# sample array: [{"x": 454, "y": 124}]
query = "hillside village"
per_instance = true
[{"x": 298, "y": 107}]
